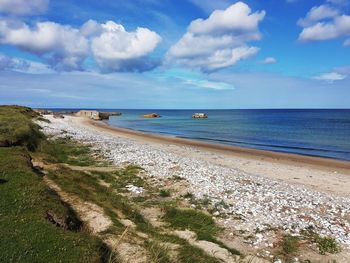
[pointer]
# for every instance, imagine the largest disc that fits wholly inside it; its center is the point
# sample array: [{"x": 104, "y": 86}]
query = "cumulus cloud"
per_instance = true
[
  {"x": 61, "y": 46},
  {"x": 269, "y": 60},
  {"x": 91, "y": 28},
  {"x": 24, "y": 7},
  {"x": 115, "y": 49},
  {"x": 65, "y": 48},
  {"x": 324, "y": 22},
  {"x": 219, "y": 41},
  {"x": 331, "y": 77}
]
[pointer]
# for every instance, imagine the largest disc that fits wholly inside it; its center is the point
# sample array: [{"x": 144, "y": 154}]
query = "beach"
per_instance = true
[
  {"x": 254, "y": 191},
  {"x": 333, "y": 176}
]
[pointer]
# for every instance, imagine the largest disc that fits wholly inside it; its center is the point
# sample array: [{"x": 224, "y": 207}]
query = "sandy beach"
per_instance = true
[
  {"x": 261, "y": 190},
  {"x": 321, "y": 174}
]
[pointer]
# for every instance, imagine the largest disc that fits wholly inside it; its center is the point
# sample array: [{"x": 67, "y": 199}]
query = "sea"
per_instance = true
[{"x": 311, "y": 132}]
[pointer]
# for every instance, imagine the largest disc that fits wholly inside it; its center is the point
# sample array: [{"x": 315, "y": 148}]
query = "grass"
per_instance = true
[
  {"x": 327, "y": 245},
  {"x": 17, "y": 128},
  {"x": 324, "y": 244},
  {"x": 202, "y": 224},
  {"x": 199, "y": 222},
  {"x": 190, "y": 254},
  {"x": 26, "y": 234},
  {"x": 164, "y": 193},
  {"x": 290, "y": 245},
  {"x": 159, "y": 253},
  {"x": 64, "y": 150}
]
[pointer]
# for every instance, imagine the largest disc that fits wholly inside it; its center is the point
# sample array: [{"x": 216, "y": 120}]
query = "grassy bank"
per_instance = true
[
  {"x": 108, "y": 190},
  {"x": 35, "y": 225},
  {"x": 17, "y": 128}
]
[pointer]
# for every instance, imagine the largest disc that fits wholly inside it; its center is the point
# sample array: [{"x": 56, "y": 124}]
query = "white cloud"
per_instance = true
[
  {"x": 331, "y": 77},
  {"x": 318, "y": 13},
  {"x": 117, "y": 50},
  {"x": 62, "y": 46},
  {"x": 23, "y": 65},
  {"x": 91, "y": 28},
  {"x": 219, "y": 41},
  {"x": 206, "y": 84},
  {"x": 269, "y": 60},
  {"x": 65, "y": 48},
  {"x": 339, "y": 27},
  {"x": 324, "y": 22},
  {"x": 24, "y": 7}
]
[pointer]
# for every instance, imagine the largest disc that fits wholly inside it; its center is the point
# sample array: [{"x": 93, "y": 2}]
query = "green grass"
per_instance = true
[
  {"x": 26, "y": 234},
  {"x": 324, "y": 244},
  {"x": 327, "y": 245},
  {"x": 17, "y": 128},
  {"x": 290, "y": 245},
  {"x": 164, "y": 193},
  {"x": 202, "y": 224},
  {"x": 190, "y": 254},
  {"x": 159, "y": 253},
  {"x": 64, "y": 150}
]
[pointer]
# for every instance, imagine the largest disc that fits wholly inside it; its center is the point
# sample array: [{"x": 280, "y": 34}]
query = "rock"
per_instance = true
[
  {"x": 134, "y": 189},
  {"x": 216, "y": 213},
  {"x": 151, "y": 115},
  {"x": 43, "y": 111},
  {"x": 106, "y": 115},
  {"x": 58, "y": 115},
  {"x": 200, "y": 115},
  {"x": 92, "y": 114}
]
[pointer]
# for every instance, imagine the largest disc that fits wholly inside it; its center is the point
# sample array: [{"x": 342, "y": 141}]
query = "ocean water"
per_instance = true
[{"x": 324, "y": 133}]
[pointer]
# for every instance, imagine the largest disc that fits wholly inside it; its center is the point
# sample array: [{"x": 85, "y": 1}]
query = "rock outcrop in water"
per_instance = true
[
  {"x": 106, "y": 115},
  {"x": 92, "y": 114},
  {"x": 200, "y": 115},
  {"x": 151, "y": 115},
  {"x": 96, "y": 115}
]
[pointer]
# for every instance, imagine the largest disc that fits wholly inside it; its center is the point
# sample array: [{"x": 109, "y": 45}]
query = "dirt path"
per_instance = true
[{"x": 90, "y": 213}]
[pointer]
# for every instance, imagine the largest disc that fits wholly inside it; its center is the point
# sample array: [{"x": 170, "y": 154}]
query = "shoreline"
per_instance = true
[
  {"x": 277, "y": 157},
  {"x": 250, "y": 193}
]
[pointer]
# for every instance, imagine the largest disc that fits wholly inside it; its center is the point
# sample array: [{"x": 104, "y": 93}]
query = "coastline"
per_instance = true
[
  {"x": 280, "y": 157},
  {"x": 261, "y": 194},
  {"x": 321, "y": 174}
]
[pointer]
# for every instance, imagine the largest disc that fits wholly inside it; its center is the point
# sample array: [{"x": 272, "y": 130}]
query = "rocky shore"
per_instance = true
[{"x": 246, "y": 203}]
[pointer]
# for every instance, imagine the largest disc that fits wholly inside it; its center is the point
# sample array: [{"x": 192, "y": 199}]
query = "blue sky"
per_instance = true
[{"x": 175, "y": 53}]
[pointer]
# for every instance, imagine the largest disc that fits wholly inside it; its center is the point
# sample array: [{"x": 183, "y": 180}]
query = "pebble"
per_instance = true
[{"x": 254, "y": 202}]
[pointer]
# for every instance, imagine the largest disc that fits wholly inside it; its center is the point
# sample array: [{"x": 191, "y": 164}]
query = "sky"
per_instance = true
[{"x": 175, "y": 54}]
